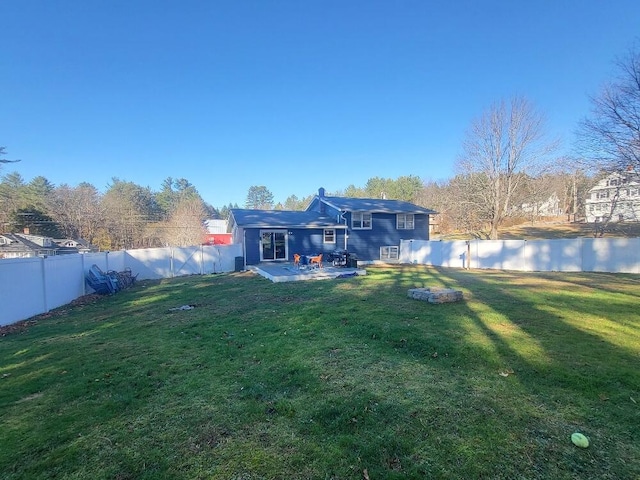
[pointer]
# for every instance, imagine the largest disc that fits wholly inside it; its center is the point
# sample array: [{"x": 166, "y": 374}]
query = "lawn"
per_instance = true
[{"x": 333, "y": 379}]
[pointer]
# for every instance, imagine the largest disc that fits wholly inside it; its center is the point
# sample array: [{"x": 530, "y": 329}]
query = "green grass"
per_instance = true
[{"x": 335, "y": 379}]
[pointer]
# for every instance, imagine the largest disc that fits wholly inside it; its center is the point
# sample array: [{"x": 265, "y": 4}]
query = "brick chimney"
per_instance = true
[{"x": 25, "y": 230}]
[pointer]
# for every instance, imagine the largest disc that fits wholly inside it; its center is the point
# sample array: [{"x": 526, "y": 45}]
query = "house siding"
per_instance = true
[
  {"x": 366, "y": 243},
  {"x": 303, "y": 241},
  {"x": 615, "y": 198}
]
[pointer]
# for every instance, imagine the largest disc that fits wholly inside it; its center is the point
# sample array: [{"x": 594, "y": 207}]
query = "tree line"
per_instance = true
[
  {"x": 508, "y": 169},
  {"x": 126, "y": 215}
]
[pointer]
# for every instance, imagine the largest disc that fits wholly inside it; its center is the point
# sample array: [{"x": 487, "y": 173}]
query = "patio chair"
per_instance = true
[
  {"x": 317, "y": 260},
  {"x": 296, "y": 260}
]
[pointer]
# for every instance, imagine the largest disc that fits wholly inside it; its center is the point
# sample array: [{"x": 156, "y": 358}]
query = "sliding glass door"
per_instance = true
[{"x": 273, "y": 245}]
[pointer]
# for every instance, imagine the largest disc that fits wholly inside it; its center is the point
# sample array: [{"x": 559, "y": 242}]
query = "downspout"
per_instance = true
[
  {"x": 346, "y": 230},
  {"x": 244, "y": 248}
]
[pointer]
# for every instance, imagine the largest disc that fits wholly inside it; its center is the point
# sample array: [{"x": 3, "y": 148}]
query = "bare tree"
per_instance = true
[
  {"x": 78, "y": 210},
  {"x": 185, "y": 227},
  {"x": 3, "y": 152},
  {"x": 610, "y": 137},
  {"x": 437, "y": 196},
  {"x": 571, "y": 183},
  {"x": 509, "y": 139}
]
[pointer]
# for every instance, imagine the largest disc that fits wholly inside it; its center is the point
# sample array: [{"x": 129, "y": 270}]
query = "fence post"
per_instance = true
[
  {"x": 44, "y": 285},
  {"x": 84, "y": 282},
  {"x": 468, "y": 254}
]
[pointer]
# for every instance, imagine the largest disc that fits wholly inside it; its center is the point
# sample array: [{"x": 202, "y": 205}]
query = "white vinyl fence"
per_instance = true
[
  {"x": 617, "y": 255},
  {"x": 31, "y": 286}
]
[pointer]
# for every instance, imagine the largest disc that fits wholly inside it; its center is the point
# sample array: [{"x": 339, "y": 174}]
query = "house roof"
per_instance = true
[
  {"x": 373, "y": 205},
  {"x": 628, "y": 178},
  {"x": 18, "y": 243},
  {"x": 282, "y": 219},
  {"x": 216, "y": 226}
]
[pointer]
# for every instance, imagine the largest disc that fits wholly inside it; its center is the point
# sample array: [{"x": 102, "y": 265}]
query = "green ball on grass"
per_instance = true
[{"x": 579, "y": 440}]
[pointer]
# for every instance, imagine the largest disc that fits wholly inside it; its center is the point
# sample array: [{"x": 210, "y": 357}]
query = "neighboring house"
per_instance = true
[
  {"x": 548, "y": 208},
  {"x": 216, "y": 232},
  {"x": 21, "y": 245},
  {"x": 18, "y": 245},
  {"x": 70, "y": 245},
  {"x": 615, "y": 198},
  {"x": 371, "y": 229}
]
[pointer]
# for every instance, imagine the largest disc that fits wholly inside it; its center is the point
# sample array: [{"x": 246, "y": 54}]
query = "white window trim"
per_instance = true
[
  {"x": 324, "y": 235},
  {"x": 405, "y": 222},
  {"x": 390, "y": 253},
  {"x": 362, "y": 220}
]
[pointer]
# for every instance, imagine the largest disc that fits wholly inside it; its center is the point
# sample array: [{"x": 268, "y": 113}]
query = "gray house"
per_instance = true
[
  {"x": 18, "y": 245},
  {"x": 368, "y": 229},
  {"x": 22, "y": 245}
]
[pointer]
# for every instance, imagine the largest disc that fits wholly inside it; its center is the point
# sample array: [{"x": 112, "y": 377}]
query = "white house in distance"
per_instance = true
[
  {"x": 615, "y": 198},
  {"x": 548, "y": 208}
]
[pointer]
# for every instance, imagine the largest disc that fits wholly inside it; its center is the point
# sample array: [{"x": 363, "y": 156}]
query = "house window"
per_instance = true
[
  {"x": 361, "y": 220},
  {"x": 405, "y": 221},
  {"x": 329, "y": 235},
  {"x": 389, "y": 252}
]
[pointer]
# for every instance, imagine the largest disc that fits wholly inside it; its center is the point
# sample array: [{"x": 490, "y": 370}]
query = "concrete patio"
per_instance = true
[{"x": 287, "y": 272}]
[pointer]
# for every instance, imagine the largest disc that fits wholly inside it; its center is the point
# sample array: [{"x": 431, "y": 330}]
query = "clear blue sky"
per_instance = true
[{"x": 292, "y": 95}]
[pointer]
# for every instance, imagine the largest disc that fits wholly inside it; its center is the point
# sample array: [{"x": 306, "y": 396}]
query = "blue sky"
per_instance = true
[{"x": 292, "y": 95}]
